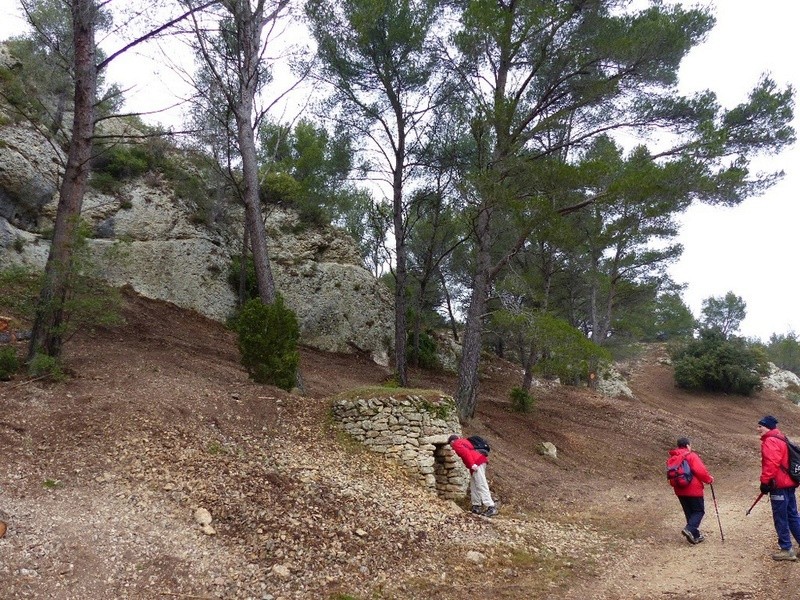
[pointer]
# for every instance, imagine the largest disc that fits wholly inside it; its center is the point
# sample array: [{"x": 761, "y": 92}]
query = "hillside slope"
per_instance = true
[{"x": 100, "y": 478}]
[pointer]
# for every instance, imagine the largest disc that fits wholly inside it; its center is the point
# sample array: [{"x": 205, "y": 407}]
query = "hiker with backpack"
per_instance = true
[
  {"x": 476, "y": 462},
  {"x": 776, "y": 481},
  {"x": 687, "y": 475}
]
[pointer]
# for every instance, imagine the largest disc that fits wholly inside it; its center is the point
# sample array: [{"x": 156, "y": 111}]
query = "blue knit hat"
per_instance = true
[{"x": 769, "y": 422}]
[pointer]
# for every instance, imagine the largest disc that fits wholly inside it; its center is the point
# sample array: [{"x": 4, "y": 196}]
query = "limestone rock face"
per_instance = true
[
  {"x": 146, "y": 237},
  {"x": 320, "y": 270},
  {"x": 782, "y": 381},
  {"x": 612, "y": 383},
  {"x": 29, "y": 175}
]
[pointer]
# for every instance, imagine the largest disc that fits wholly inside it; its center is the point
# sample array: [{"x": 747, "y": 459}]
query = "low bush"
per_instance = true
[
  {"x": 426, "y": 357},
  {"x": 715, "y": 363},
  {"x": 117, "y": 163},
  {"x": 268, "y": 337},
  {"x": 9, "y": 363},
  {"x": 20, "y": 289},
  {"x": 235, "y": 276},
  {"x": 521, "y": 401},
  {"x": 42, "y": 365}
]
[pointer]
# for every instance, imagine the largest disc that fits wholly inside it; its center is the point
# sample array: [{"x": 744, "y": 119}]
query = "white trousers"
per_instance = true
[{"x": 479, "y": 487}]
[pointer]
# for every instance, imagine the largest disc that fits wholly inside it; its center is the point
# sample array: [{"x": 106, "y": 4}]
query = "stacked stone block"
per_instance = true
[{"x": 412, "y": 430}]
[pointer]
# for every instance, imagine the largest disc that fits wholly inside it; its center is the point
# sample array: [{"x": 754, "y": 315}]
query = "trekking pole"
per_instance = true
[
  {"x": 761, "y": 495},
  {"x": 716, "y": 509}
]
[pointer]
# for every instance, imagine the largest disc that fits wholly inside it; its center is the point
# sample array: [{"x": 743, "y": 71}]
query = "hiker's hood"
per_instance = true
[{"x": 772, "y": 433}]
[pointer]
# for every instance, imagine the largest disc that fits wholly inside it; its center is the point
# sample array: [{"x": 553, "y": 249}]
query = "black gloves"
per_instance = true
[{"x": 765, "y": 488}]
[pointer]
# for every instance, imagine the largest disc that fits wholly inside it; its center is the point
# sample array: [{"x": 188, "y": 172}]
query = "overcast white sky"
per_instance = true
[{"x": 752, "y": 249}]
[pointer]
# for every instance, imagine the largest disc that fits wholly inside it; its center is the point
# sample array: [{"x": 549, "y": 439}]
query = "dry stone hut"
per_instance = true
[{"x": 410, "y": 427}]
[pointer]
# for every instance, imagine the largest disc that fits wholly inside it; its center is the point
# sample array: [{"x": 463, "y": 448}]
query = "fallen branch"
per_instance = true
[{"x": 27, "y": 381}]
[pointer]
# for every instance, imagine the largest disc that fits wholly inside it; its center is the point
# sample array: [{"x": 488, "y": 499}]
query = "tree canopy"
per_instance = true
[{"x": 533, "y": 156}]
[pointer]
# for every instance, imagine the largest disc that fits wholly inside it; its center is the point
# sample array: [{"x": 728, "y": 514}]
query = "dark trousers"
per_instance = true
[
  {"x": 785, "y": 517},
  {"x": 695, "y": 509}
]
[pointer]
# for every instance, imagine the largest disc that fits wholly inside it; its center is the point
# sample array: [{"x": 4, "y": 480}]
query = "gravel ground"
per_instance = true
[{"x": 102, "y": 477}]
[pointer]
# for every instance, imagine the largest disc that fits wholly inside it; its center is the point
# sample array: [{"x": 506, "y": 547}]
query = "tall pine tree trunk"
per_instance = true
[
  {"x": 249, "y": 28},
  {"x": 254, "y": 219},
  {"x": 47, "y": 333},
  {"x": 401, "y": 270},
  {"x": 466, "y": 395}
]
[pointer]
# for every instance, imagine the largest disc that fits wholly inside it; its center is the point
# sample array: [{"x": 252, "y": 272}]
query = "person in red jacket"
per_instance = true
[
  {"x": 478, "y": 486},
  {"x": 691, "y": 496},
  {"x": 776, "y": 482}
]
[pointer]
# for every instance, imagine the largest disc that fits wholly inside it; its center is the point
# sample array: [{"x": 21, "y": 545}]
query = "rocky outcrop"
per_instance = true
[
  {"x": 612, "y": 383},
  {"x": 146, "y": 237},
  {"x": 784, "y": 382},
  {"x": 29, "y": 175}
]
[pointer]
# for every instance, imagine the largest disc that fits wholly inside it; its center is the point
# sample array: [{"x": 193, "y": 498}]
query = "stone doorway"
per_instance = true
[{"x": 448, "y": 472}]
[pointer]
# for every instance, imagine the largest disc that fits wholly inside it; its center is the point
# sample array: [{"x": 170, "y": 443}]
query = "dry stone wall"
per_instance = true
[{"x": 411, "y": 429}]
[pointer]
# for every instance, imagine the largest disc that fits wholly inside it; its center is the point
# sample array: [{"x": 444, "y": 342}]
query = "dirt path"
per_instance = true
[
  {"x": 100, "y": 475},
  {"x": 664, "y": 565}
]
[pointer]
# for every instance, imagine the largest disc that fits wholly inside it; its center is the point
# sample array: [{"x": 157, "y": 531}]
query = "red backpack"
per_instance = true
[{"x": 679, "y": 474}]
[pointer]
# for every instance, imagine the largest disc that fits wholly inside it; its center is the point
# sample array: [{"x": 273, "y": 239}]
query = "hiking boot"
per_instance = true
[
  {"x": 700, "y": 538},
  {"x": 785, "y": 555},
  {"x": 477, "y": 509},
  {"x": 690, "y": 536},
  {"x": 490, "y": 512}
]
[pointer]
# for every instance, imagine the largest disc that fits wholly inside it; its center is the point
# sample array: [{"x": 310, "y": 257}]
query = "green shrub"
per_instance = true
[
  {"x": 521, "y": 401},
  {"x": 117, "y": 163},
  {"x": 280, "y": 188},
  {"x": 427, "y": 358},
  {"x": 268, "y": 336},
  {"x": 20, "y": 289},
  {"x": 715, "y": 363},
  {"x": 284, "y": 190},
  {"x": 105, "y": 183},
  {"x": 392, "y": 381},
  {"x": 91, "y": 301},
  {"x": 566, "y": 352},
  {"x": 250, "y": 281},
  {"x": 42, "y": 365},
  {"x": 124, "y": 161},
  {"x": 9, "y": 363}
]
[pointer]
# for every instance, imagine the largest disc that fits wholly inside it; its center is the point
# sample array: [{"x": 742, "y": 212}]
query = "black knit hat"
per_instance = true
[
  {"x": 683, "y": 442},
  {"x": 452, "y": 438},
  {"x": 769, "y": 422}
]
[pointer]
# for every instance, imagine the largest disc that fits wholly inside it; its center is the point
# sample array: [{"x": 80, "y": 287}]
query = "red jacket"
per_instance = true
[
  {"x": 468, "y": 455},
  {"x": 774, "y": 459},
  {"x": 701, "y": 474}
]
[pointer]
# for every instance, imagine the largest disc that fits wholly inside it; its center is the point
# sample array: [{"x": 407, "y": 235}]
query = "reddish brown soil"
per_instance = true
[{"x": 100, "y": 475}]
